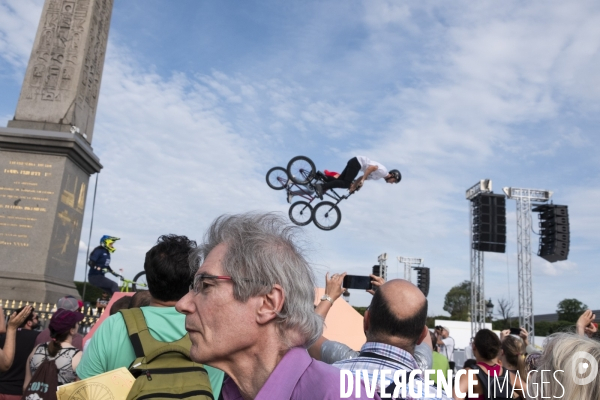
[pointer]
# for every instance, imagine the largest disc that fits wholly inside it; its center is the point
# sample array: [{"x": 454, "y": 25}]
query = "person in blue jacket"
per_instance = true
[{"x": 100, "y": 264}]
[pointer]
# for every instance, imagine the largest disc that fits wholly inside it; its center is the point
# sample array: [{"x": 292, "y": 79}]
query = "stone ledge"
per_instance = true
[
  {"x": 72, "y": 146},
  {"x": 38, "y": 289},
  {"x": 20, "y": 276}
]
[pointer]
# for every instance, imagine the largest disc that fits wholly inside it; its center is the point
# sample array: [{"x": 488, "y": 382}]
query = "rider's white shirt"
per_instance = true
[{"x": 365, "y": 162}]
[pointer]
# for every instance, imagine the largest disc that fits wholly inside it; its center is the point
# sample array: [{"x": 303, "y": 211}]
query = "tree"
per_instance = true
[
  {"x": 570, "y": 310},
  {"x": 458, "y": 301},
  {"x": 545, "y": 328},
  {"x": 505, "y": 307}
]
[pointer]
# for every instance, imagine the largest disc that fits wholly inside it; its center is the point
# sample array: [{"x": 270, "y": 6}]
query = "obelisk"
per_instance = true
[{"x": 46, "y": 157}]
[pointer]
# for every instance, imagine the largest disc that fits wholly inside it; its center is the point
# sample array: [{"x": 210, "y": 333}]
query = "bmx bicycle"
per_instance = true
[
  {"x": 138, "y": 282},
  {"x": 127, "y": 285},
  {"x": 302, "y": 174}
]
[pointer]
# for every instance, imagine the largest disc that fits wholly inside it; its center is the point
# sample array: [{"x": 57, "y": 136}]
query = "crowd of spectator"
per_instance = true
[{"x": 242, "y": 304}]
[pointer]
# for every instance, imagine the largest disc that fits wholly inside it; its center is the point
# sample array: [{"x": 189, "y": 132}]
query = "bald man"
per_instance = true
[{"x": 394, "y": 325}]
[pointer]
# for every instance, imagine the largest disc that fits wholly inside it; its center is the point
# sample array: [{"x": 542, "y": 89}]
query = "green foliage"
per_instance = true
[
  {"x": 502, "y": 324},
  {"x": 545, "y": 328},
  {"x": 361, "y": 310},
  {"x": 457, "y": 301},
  {"x": 91, "y": 292},
  {"x": 570, "y": 310}
]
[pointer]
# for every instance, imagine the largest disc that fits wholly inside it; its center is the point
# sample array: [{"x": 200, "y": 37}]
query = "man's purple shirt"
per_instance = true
[{"x": 298, "y": 377}]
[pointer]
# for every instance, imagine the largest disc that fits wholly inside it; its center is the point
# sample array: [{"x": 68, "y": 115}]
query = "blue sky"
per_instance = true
[{"x": 200, "y": 99}]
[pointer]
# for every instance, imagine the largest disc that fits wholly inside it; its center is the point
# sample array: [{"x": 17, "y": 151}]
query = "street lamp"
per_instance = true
[{"x": 489, "y": 307}]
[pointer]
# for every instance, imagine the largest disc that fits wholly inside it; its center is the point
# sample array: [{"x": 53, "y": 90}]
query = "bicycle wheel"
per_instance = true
[
  {"x": 301, "y": 213},
  {"x": 301, "y": 170},
  {"x": 327, "y": 216},
  {"x": 139, "y": 282},
  {"x": 277, "y": 178}
]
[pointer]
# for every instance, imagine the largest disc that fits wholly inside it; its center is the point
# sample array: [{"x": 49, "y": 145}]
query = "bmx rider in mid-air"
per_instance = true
[{"x": 371, "y": 170}]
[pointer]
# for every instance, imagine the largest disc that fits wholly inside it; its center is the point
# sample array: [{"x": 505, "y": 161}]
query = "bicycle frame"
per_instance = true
[
  {"x": 318, "y": 178},
  {"x": 306, "y": 195},
  {"x": 127, "y": 284},
  {"x": 303, "y": 177}
]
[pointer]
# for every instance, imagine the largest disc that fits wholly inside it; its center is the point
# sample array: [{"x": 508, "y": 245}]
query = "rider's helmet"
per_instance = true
[
  {"x": 396, "y": 174},
  {"x": 107, "y": 242}
]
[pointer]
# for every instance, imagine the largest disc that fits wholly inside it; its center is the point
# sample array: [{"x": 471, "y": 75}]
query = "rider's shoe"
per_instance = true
[
  {"x": 319, "y": 190},
  {"x": 289, "y": 197}
]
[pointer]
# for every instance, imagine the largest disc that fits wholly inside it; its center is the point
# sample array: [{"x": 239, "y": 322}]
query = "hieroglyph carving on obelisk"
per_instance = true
[{"x": 62, "y": 81}]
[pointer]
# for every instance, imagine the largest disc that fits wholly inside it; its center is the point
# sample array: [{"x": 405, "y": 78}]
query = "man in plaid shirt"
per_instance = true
[{"x": 394, "y": 324}]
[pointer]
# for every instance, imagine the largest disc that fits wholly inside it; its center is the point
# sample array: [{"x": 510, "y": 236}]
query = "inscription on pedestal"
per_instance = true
[
  {"x": 22, "y": 200},
  {"x": 37, "y": 198}
]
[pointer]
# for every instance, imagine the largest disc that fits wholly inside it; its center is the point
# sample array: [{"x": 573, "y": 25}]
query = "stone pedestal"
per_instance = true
[{"x": 43, "y": 186}]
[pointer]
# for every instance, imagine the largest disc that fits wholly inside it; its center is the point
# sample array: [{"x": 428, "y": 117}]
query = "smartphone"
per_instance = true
[
  {"x": 357, "y": 282},
  {"x": 515, "y": 331}
]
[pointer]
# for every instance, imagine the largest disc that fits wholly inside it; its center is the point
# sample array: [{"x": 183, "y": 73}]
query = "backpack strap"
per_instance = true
[
  {"x": 375, "y": 355},
  {"x": 136, "y": 329},
  {"x": 144, "y": 345},
  {"x": 482, "y": 377}
]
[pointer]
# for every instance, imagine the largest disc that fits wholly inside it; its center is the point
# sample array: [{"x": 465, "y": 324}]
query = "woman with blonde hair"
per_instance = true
[
  {"x": 569, "y": 365},
  {"x": 63, "y": 325}
]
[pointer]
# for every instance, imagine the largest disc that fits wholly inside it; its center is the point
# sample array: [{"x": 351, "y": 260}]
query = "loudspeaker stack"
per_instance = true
[
  {"x": 554, "y": 232},
  {"x": 489, "y": 223}
]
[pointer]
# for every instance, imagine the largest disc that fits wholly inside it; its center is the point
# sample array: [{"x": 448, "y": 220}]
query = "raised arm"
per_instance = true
[
  {"x": 333, "y": 289},
  {"x": 585, "y": 326},
  {"x": 7, "y": 354},
  {"x": 376, "y": 281}
]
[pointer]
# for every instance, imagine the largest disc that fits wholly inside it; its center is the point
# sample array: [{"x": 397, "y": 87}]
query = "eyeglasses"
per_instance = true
[{"x": 200, "y": 283}]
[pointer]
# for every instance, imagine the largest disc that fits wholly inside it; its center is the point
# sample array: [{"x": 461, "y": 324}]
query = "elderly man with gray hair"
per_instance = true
[{"x": 250, "y": 311}]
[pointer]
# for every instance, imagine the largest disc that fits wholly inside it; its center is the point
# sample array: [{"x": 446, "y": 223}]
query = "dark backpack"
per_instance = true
[
  {"x": 163, "y": 369},
  {"x": 494, "y": 391},
  {"x": 44, "y": 382}
]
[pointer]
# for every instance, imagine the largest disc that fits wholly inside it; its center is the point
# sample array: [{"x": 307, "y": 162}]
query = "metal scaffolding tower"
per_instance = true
[
  {"x": 382, "y": 259},
  {"x": 409, "y": 264},
  {"x": 524, "y": 197},
  {"x": 478, "y": 302}
]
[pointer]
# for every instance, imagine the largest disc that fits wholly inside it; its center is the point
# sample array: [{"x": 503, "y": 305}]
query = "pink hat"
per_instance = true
[{"x": 63, "y": 320}]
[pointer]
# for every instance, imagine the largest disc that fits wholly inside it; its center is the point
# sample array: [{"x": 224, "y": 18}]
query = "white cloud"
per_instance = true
[{"x": 18, "y": 24}]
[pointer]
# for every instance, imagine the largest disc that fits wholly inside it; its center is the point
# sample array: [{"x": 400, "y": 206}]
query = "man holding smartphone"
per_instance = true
[
  {"x": 445, "y": 344},
  {"x": 406, "y": 347}
]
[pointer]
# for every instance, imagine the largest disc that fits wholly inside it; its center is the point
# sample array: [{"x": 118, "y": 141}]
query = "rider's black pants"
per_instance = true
[
  {"x": 346, "y": 177},
  {"x": 102, "y": 282}
]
